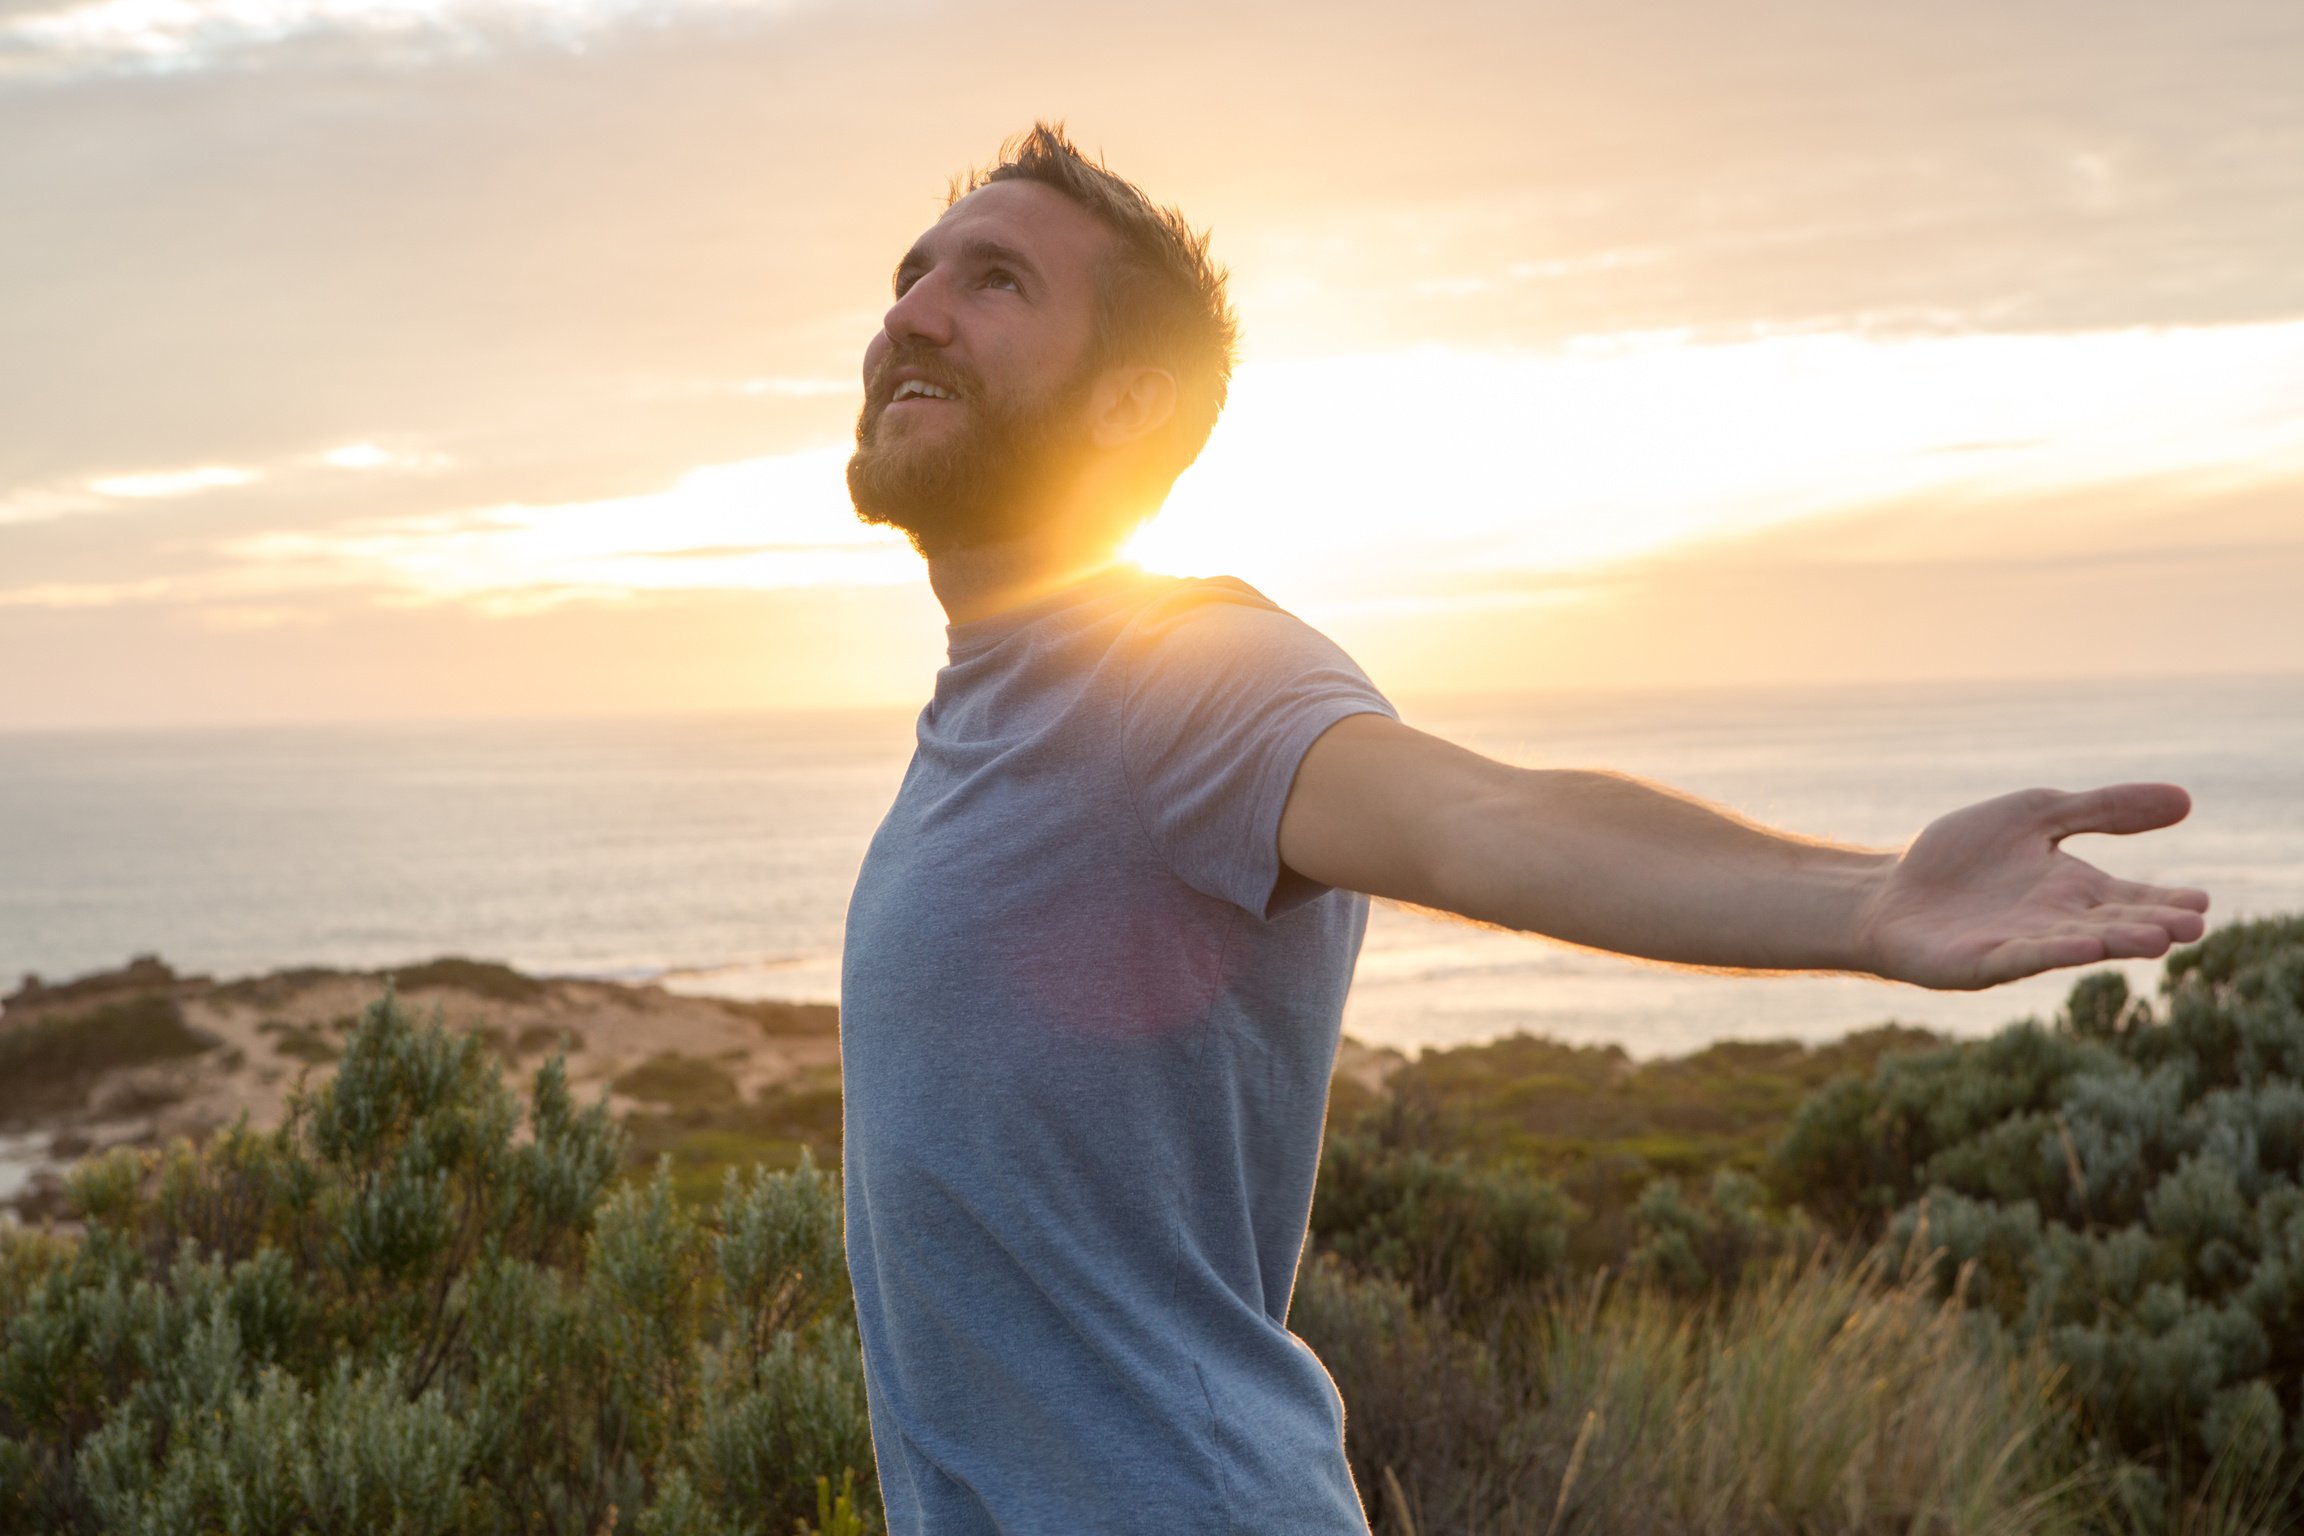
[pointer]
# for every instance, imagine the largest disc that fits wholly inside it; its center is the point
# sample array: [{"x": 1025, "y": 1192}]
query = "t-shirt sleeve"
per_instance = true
[{"x": 1226, "y": 696}]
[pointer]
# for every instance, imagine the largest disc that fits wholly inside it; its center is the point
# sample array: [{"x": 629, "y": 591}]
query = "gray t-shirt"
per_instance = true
[{"x": 1087, "y": 1024}]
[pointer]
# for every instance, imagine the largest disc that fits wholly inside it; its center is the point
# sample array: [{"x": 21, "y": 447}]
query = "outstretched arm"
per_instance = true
[{"x": 1982, "y": 896}]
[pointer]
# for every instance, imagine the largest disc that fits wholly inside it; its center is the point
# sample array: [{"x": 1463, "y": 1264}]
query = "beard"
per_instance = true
[{"x": 981, "y": 479}]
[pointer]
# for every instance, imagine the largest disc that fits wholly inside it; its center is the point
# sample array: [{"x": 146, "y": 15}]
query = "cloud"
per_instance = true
[
  {"x": 108, "y": 492},
  {"x": 62, "y": 594},
  {"x": 162, "y": 484},
  {"x": 152, "y": 665},
  {"x": 844, "y": 388},
  {"x": 357, "y": 456},
  {"x": 2167, "y": 575},
  {"x": 39, "y": 503},
  {"x": 170, "y": 36},
  {"x": 760, "y": 525}
]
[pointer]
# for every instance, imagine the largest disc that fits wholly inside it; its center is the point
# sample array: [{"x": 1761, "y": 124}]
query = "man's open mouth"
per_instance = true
[{"x": 920, "y": 389}]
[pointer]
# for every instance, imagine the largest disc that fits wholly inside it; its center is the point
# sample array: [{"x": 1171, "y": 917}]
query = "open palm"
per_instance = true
[{"x": 1985, "y": 894}]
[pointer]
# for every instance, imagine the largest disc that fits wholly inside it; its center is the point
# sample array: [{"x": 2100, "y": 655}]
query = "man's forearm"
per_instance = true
[
  {"x": 1614, "y": 863},
  {"x": 1983, "y": 895}
]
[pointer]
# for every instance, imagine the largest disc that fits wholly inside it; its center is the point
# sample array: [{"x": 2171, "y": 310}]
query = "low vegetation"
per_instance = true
[
  {"x": 2087, "y": 1234},
  {"x": 778, "y": 1020},
  {"x": 1820, "y": 1396},
  {"x": 313, "y": 1044},
  {"x": 2125, "y": 1188},
  {"x": 50, "y": 1063},
  {"x": 2047, "y": 1282},
  {"x": 481, "y": 978},
  {"x": 399, "y": 1313},
  {"x": 1612, "y": 1132},
  {"x": 678, "y": 1082}
]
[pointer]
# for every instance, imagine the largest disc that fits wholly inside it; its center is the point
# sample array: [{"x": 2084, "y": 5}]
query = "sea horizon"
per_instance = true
[
  {"x": 1439, "y": 700},
  {"x": 711, "y": 851}
]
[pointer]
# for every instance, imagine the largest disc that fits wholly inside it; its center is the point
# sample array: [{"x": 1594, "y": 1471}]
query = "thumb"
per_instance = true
[{"x": 2117, "y": 808}]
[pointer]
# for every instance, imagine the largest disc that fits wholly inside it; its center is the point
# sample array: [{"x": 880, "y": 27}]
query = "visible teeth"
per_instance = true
[{"x": 912, "y": 387}]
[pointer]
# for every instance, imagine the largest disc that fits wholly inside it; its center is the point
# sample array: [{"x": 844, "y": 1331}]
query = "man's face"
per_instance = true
[{"x": 974, "y": 386}]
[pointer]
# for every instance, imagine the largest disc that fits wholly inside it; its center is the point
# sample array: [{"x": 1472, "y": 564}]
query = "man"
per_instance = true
[{"x": 1098, "y": 951}]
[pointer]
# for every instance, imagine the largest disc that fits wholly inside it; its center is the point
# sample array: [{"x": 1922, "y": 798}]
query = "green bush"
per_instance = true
[
  {"x": 482, "y": 978},
  {"x": 2125, "y": 1187},
  {"x": 49, "y": 1064},
  {"x": 680, "y": 1082},
  {"x": 399, "y": 1313},
  {"x": 1464, "y": 1238},
  {"x": 1606, "y": 1129},
  {"x": 1432, "y": 1418},
  {"x": 1695, "y": 1249}
]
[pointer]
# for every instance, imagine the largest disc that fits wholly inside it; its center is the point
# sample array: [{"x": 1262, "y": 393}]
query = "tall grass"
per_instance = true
[{"x": 1823, "y": 1397}]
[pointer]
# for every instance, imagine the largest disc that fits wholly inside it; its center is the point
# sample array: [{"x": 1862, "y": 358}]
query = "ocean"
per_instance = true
[{"x": 715, "y": 853}]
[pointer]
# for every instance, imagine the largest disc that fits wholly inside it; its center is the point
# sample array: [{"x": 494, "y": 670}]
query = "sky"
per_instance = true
[{"x": 411, "y": 358}]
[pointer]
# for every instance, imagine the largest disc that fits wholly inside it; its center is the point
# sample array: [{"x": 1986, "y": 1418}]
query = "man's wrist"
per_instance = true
[{"x": 1865, "y": 894}]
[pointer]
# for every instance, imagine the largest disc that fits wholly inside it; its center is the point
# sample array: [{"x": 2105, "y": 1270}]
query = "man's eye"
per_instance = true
[{"x": 1001, "y": 277}]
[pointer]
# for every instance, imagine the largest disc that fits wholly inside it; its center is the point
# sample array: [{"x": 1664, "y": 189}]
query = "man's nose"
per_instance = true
[{"x": 920, "y": 314}]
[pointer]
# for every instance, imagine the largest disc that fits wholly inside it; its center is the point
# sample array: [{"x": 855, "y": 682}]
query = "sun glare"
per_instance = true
[{"x": 1371, "y": 474}]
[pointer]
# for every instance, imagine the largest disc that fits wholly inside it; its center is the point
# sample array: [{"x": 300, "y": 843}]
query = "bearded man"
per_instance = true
[{"x": 1098, "y": 951}]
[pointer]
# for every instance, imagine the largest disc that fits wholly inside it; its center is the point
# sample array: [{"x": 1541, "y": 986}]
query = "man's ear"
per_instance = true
[{"x": 1131, "y": 403}]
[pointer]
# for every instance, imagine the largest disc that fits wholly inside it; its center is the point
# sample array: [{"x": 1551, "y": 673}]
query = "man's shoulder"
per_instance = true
[
  {"x": 1209, "y": 603},
  {"x": 1217, "y": 635}
]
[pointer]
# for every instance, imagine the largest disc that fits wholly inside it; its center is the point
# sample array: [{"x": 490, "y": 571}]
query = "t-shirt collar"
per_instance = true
[{"x": 980, "y": 635}]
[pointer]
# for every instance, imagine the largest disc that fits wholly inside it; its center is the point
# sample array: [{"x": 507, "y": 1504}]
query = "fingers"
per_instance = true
[
  {"x": 2112, "y": 932},
  {"x": 2180, "y": 924},
  {"x": 2129, "y": 892},
  {"x": 2117, "y": 808},
  {"x": 2026, "y": 957},
  {"x": 2135, "y": 941}
]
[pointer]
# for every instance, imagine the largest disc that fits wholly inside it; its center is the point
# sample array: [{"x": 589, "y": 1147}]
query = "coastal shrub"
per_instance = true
[
  {"x": 547, "y": 1037},
  {"x": 699, "y": 1144},
  {"x": 1458, "y": 1236},
  {"x": 781, "y": 1020},
  {"x": 143, "y": 973},
  {"x": 678, "y": 1082},
  {"x": 48, "y": 1064},
  {"x": 2124, "y": 1187},
  {"x": 311, "y": 1044},
  {"x": 1555, "y": 1104},
  {"x": 420, "y": 1306},
  {"x": 481, "y": 978},
  {"x": 1707, "y": 1245},
  {"x": 1433, "y": 1420},
  {"x": 1605, "y": 1129}
]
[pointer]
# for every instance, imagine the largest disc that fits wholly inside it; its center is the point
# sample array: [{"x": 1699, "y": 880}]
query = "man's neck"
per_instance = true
[{"x": 977, "y": 583}]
